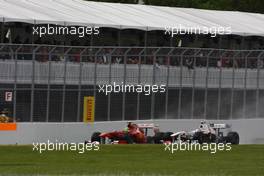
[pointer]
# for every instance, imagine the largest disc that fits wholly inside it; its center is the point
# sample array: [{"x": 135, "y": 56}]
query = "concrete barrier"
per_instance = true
[{"x": 251, "y": 131}]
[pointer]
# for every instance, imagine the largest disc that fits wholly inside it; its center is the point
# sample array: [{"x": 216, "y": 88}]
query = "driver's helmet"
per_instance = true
[
  {"x": 3, "y": 115},
  {"x": 203, "y": 122},
  {"x": 129, "y": 124}
]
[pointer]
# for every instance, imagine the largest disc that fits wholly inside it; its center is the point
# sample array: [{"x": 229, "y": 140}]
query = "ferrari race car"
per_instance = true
[
  {"x": 208, "y": 133},
  {"x": 133, "y": 133}
]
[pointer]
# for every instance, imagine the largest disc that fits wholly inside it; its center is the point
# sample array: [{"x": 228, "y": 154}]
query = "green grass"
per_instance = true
[{"x": 242, "y": 160}]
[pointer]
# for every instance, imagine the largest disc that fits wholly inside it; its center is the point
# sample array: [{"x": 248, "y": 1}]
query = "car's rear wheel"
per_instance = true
[
  {"x": 167, "y": 136},
  {"x": 150, "y": 140},
  {"x": 128, "y": 139},
  {"x": 96, "y": 137},
  {"x": 158, "y": 137},
  {"x": 233, "y": 138}
]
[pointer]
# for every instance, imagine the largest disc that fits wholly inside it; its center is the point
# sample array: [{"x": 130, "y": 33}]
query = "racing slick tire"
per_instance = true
[
  {"x": 150, "y": 140},
  {"x": 158, "y": 137},
  {"x": 128, "y": 139},
  {"x": 212, "y": 138},
  {"x": 204, "y": 138},
  {"x": 96, "y": 137},
  {"x": 232, "y": 137},
  {"x": 167, "y": 136},
  {"x": 198, "y": 137}
]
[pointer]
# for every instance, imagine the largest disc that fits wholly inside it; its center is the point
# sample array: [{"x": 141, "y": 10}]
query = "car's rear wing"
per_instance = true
[
  {"x": 219, "y": 125},
  {"x": 146, "y": 125}
]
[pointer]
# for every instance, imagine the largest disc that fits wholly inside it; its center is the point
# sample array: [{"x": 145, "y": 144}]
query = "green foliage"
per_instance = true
[
  {"x": 119, "y": 1},
  {"x": 234, "y": 5}
]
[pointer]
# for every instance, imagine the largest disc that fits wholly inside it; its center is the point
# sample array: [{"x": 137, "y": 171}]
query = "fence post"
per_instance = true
[
  {"x": 180, "y": 86},
  {"x": 219, "y": 97},
  {"x": 64, "y": 85},
  {"x": 139, "y": 80},
  {"x": 15, "y": 86},
  {"x": 257, "y": 92},
  {"x": 206, "y": 83},
  {"x": 245, "y": 86},
  {"x": 123, "y": 93},
  {"x": 109, "y": 82},
  {"x": 95, "y": 78},
  {"x": 124, "y": 83},
  {"x": 79, "y": 85},
  {"x": 48, "y": 88},
  {"x": 152, "y": 106},
  {"x": 194, "y": 82},
  {"x": 2, "y": 29},
  {"x": 33, "y": 83},
  {"x": 167, "y": 82}
]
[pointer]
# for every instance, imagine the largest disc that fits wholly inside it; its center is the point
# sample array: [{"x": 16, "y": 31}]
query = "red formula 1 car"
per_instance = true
[{"x": 133, "y": 133}]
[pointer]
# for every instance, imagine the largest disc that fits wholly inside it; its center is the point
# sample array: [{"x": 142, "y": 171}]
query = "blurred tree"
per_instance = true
[
  {"x": 119, "y": 1},
  {"x": 234, "y": 5}
]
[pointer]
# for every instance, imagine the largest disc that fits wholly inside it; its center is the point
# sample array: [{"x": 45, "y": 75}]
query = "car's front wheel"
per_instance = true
[{"x": 204, "y": 138}]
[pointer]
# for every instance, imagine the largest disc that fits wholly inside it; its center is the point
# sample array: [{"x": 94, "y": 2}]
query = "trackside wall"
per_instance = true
[{"x": 251, "y": 131}]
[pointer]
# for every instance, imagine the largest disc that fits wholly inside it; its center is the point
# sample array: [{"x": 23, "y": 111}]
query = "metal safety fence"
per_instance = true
[{"x": 49, "y": 83}]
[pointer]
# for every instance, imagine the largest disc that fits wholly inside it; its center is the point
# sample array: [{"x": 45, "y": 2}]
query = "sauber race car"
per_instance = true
[
  {"x": 133, "y": 133},
  {"x": 208, "y": 133}
]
